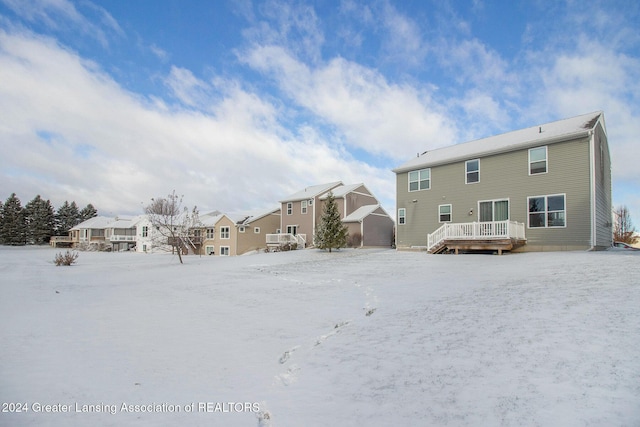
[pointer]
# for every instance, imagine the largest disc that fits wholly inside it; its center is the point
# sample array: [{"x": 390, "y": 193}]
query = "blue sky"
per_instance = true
[{"x": 237, "y": 104}]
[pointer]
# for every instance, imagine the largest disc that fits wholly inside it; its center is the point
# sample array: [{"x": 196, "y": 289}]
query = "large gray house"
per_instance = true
[{"x": 547, "y": 187}]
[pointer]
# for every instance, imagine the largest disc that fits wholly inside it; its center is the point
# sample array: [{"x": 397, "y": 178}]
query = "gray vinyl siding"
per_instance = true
[
  {"x": 602, "y": 175},
  {"x": 377, "y": 230},
  {"x": 504, "y": 176}
]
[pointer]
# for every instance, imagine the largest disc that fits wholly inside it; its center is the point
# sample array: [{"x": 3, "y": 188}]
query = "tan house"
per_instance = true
[
  {"x": 218, "y": 233},
  {"x": 300, "y": 212},
  {"x": 368, "y": 223},
  {"x": 111, "y": 233},
  {"x": 252, "y": 230}
]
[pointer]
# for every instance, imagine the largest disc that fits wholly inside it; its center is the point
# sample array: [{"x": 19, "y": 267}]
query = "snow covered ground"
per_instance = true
[{"x": 308, "y": 338}]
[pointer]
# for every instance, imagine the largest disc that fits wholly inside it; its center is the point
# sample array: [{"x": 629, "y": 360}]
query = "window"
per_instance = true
[
  {"x": 211, "y": 233},
  {"x": 402, "y": 216},
  {"x": 537, "y": 160},
  {"x": 292, "y": 229},
  {"x": 241, "y": 229},
  {"x": 303, "y": 207},
  {"x": 289, "y": 208},
  {"x": 472, "y": 168},
  {"x": 444, "y": 213},
  {"x": 145, "y": 231},
  {"x": 256, "y": 230},
  {"x": 420, "y": 180},
  {"x": 224, "y": 250},
  {"x": 144, "y": 248},
  {"x": 224, "y": 232},
  {"x": 493, "y": 210},
  {"x": 210, "y": 250},
  {"x": 547, "y": 211}
]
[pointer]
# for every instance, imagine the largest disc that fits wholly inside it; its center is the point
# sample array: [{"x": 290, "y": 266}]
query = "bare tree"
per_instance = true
[
  {"x": 172, "y": 222},
  {"x": 623, "y": 229}
]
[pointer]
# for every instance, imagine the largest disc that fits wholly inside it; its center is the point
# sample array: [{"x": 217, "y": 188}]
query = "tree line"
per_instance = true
[{"x": 37, "y": 221}]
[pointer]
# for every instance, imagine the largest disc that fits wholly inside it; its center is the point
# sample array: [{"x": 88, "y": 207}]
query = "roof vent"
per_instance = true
[{"x": 540, "y": 129}]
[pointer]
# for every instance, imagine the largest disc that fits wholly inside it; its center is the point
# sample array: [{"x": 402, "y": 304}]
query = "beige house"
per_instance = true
[
  {"x": 111, "y": 233},
  {"x": 218, "y": 234},
  {"x": 547, "y": 187},
  {"x": 368, "y": 223},
  {"x": 254, "y": 228}
]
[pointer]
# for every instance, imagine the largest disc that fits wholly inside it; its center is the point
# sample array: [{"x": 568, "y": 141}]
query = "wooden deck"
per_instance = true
[{"x": 477, "y": 236}]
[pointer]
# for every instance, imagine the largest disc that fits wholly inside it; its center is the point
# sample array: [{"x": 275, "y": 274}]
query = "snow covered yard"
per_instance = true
[{"x": 353, "y": 338}]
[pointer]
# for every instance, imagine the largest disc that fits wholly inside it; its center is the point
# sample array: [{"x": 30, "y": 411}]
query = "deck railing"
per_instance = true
[
  {"x": 283, "y": 238},
  {"x": 476, "y": 231}
]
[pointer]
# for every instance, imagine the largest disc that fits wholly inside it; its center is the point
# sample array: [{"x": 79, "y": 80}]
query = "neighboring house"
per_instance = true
[
  {"x": 361, "y": 212},
  {"x": 219, "y": 235},
  {"x": 118, "y": 234},
  {"x": 358, "y": 207},
  {"x": 300, "y": 212},
  {"x": 252, "y": 230},
  {"x": 547, "y": 187}
]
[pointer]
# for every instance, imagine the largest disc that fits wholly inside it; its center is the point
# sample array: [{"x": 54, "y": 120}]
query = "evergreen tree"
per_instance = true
[
  {"x": 330, "y": 232},
  {"x": 67, "y": 217},
  {"x": 88, "y": 212},
  {"x": 13, "y": 222},
  {"x": 39, "y": 220}
]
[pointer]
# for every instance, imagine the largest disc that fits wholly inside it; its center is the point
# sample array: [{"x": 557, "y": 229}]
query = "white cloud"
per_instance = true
[
  {"x": 372, "y": 114},
  {"x": 69, "y": 132}
]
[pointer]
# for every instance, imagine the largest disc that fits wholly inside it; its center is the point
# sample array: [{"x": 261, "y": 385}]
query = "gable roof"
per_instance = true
[
  {"x": 341, "y": 191},
  {"x": 361, "y": 213},
  {"x": 102, "y": 222},
  {"x": 311, "y": 192},
  {"x": 249, "y": 217},
  {"x": 558, "y": 131}
]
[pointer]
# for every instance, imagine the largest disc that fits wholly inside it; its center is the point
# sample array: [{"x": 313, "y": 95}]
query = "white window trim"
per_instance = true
[
  {"x": 289, "y": 208},
  {"x": 403, "y": 216},
  {"x": 493, "y": 211},
  {"x": 546, "y": 211},
  {"x": 466, "y": 172},
  {"x": 213, "y": 250},
  {"x": 546, "y": 160},
  {"x": 419, "y": 176},
  {"x": 450, "y": 213},
  {"x": 222, "y": 250},
  {"x": 211, "y": 233},
  {"x": 241, "y": 229},
  {"x": 222, "y": 232},
  {"x": 303, "y": 207},
  {"x": 256, "y": 230}
]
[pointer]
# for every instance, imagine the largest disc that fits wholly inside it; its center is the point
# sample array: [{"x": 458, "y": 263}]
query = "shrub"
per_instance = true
[
  {"x": 354, "y": 240},
  {"x": 67, "y": 258}
]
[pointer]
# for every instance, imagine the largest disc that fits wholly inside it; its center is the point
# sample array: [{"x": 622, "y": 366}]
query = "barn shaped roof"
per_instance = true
[{"x": 548, "y": 133}]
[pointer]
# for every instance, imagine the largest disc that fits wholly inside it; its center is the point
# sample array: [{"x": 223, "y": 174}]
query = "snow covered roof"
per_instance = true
[
  {"x": 341, "y": 191},
  {"x": 102, "y": 222},
  {"x": 211, "y": 219},
  {"x": 311, "y": 192},
  {"x": 360, "y": 213},
  {"x": 246, "y": 218},
  {"x": 561, "y": 130}
]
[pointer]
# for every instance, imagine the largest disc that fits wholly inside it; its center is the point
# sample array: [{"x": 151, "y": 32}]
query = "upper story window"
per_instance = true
[
  {"x": 241, "y": 229},
  {"x": 211, "y": 232},
  {"x": 145, "y": 231},
  {"x": 537, "y": 160},
  {"x": 225, "y": 232},
  {"x": 289, "y": 208},
  {"x": 472, "y": 168},
  {"x": 420, "y": 180},
  {"x": 256, "y": 230},
  {"x": 402, "y": 216},
  {"x": 303, "y": 207},
  {"x": 547, "y": 211}
]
